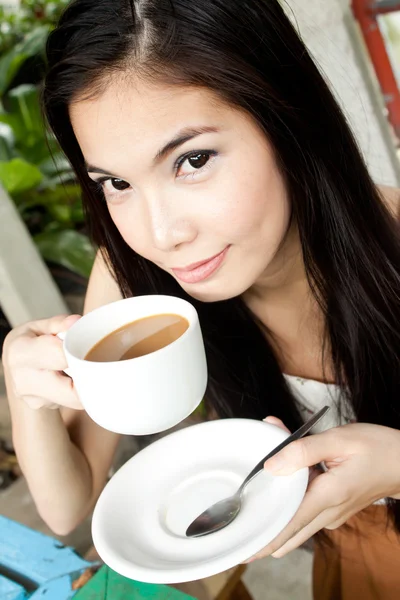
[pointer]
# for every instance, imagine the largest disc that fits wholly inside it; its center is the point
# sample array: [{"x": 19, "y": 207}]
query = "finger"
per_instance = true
[
  {"x": 40, "y": 352},
  {"x": 316, "y": 501},
  {"x": 306, "y": 452},
  {"x": 35, "y": 403},
  {"x": 277, "y": 422},
  {"x": 54, "y": 325},
  {"x": 20, "y": 353},
  {"x": 50, "y": 386},
  {"x": 327, "y": 520},
  {"x": 304, "y": 535},
  {"x": 315, "y": 472}
]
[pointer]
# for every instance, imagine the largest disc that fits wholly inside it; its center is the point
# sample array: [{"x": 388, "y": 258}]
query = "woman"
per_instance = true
[{"x": 216, "y": 166}]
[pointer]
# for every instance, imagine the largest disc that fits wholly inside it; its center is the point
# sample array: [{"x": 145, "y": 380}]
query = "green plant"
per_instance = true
[
  {"x": 40, "y": 180},
  {"x": 33, "y": 170},
  {"x": 16, "y": 24}
]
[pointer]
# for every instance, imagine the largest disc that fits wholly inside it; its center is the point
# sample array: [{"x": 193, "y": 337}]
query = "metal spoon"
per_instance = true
[{"x": 220, "y": 514}]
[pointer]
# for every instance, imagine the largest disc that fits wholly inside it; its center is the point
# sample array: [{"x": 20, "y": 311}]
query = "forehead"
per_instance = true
[{"x": 134, "y": 114}]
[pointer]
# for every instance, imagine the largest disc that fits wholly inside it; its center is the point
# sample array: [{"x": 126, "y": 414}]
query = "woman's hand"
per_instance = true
[
  {"x": 363, "y": 466},
  {"x": 34, "y": 360}
]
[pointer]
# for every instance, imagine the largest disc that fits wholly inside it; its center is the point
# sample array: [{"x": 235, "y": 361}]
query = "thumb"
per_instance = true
[
  {"x": 68, "y": 322},
  {"x": 305, "y": 452},
  {"x": 53, "y": 325},
  {"x": 277, "y": 422}
]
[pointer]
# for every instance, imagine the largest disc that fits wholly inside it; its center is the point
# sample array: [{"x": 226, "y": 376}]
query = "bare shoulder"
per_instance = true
[
  {"x": 102, "y": 287},
  {"x": 391, "y": 197}
]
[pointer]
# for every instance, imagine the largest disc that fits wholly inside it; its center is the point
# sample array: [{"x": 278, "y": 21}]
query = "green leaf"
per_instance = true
[
  {"x": 7, "y": 142},
  {"x": 24, "y": 101},
  {"x": 52, "y": 142},
  {"x": 55, "y": 164},
  {"x": 10, "y": 64},
  {"x": 25, "y": 118},
  {"x": 17, "y": 176},
  {"x": 33, "y": 148},
  {"x": 52, "y": 227},
  {"x": 7, "y": 133},
  {"x": 5, "y": 153},
  {"x": 16, "y": 123},
  {"x": 62, "y": 194},
  {"x": 35, "y": 42},
  {"x": 61, "y": 178},
  {"x": 77, "y": 214},
  {"x": 32, "y": 45},
  {"x": 68, "y": 248},
  {"x": 61, "y": 213}
]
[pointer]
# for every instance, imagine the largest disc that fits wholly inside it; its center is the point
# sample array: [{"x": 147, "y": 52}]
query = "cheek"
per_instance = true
[
  {"x": 253, "y": 206},
  {"x": 130, "y": 224}
]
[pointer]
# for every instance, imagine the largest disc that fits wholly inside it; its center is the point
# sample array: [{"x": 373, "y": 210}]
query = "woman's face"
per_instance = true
[{"x": 190, "y": 182}]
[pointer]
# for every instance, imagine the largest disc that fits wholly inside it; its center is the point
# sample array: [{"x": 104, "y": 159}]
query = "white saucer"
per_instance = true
[{"x": 140, "y": 519}]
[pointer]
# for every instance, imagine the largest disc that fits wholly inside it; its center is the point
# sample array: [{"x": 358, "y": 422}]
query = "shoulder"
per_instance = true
[
  {"x": 102, "y": 287},
  {"x": 391, "y": 197}
]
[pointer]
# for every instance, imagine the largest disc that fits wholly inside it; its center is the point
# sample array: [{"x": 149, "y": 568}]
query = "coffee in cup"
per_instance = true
[{"x": 139, "y": 338}]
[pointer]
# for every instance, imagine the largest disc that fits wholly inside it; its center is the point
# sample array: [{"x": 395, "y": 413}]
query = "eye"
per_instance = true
[
  {"x": 198, "y": 161},
  {"x": 189, "y": 165},
  {"x": 117, "y": 184},
  {"x": 113, "y": 188}
]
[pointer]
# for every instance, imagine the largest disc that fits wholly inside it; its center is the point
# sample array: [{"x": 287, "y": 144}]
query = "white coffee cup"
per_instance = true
[{"x": 142, "y": 395}]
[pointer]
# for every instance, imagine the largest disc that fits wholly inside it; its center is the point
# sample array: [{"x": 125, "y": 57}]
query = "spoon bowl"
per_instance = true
[{"x": 222, "y": 513}]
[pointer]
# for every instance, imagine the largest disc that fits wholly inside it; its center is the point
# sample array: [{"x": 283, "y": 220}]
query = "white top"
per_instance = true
[{"x": 313, "y": 395}]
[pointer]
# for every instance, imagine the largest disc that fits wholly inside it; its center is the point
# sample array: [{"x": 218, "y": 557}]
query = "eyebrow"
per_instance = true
[{"x": 183, "y": 136}]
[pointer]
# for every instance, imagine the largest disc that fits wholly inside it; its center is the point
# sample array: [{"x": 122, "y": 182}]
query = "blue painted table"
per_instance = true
[{"x": 38, "y": 567}]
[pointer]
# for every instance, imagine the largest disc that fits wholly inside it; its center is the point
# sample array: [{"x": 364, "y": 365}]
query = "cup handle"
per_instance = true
[{"x": 62, "y": 335}]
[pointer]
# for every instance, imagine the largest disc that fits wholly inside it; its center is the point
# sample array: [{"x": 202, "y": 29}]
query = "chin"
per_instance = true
[
  {"x": 213, "y": 291},
  {"x": 203, "y": 297}
]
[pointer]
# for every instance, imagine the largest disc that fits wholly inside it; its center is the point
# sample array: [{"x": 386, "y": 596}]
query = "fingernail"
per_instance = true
[
  {"x": 272, "y": 420},
  {"x": 274, "y": 465}
]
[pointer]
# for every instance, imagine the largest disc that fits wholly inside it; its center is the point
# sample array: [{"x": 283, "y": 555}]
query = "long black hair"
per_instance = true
[{"x": 249, "y": 54}]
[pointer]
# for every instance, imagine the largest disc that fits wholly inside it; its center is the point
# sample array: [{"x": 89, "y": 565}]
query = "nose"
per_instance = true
[{"x": 170, "y": 227}]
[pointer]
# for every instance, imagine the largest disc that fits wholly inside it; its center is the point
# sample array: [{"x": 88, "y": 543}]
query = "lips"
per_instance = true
[{"x": 201, "y": 270}]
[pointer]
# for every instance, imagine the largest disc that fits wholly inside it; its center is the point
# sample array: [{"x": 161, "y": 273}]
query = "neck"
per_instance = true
[
  {"x": 282, "y": 300},
  {"x": 285, "y": 279}
]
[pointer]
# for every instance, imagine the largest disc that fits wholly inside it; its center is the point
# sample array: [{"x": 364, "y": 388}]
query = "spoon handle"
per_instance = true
[{"x": 294, "y": 436}]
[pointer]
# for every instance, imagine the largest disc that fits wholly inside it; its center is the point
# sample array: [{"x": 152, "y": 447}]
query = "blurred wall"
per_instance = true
[{"x": 331, "y": 33}]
